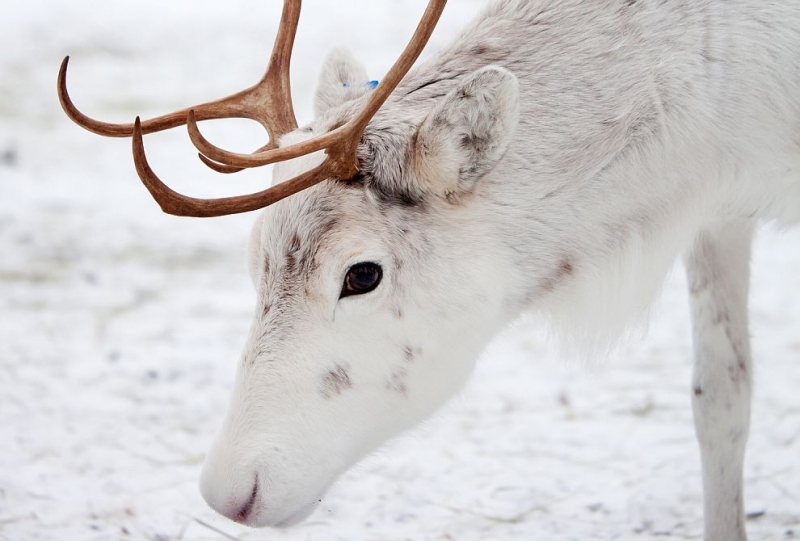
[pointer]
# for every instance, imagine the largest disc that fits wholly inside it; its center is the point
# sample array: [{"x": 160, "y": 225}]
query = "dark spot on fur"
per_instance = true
[
  {"x": 265, "y": 309},
  {"x": 736, "y": 373},
  {"x": 721, "y": 317},
  {"x": 698, "y": 391},
  {"x": 291, "y": 262},
  {"x": 439, "y": 122},
  {"x": 401, "y": 198},
  {"x": 468, "y": 141},
  {"x": 742, "y": 364},
  {"x": 397, "y": 382},
  {"x": 408, "y": 353},
  {"x": 739, "y": 371},
  {"x": 698, "y": 285},
  {"x": 294, "y": 245},
  {"x": 565, "y": 270},
  {"x": 479, "y": 50},
  {"x": 452, "y": 197},
  {"x": 335, "y": 382},
  {"x": 398, "y": 313}
]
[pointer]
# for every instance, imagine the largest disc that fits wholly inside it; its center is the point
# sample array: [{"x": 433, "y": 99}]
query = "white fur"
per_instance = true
[
  {"x": 558, "y": 157},
  {"x": 342, "y": 79}
]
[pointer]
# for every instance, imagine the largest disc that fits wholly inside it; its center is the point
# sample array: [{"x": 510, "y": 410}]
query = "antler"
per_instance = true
[{"x": 268, "y": 102}]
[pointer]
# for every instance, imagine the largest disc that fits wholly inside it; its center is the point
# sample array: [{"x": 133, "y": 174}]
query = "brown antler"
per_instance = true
[
  {"x": 178, "y": 204},
  {"x": 268, "y": 102},
  {"x": 261, "y": 102}
]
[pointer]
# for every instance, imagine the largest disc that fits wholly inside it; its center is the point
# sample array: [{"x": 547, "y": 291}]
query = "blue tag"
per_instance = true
[{"x": 372, "y": 84}]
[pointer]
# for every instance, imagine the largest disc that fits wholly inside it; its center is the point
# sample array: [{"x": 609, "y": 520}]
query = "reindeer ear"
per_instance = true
[
  {"x": 467, "y": 133},
  {"x": 343, "y": 78}
]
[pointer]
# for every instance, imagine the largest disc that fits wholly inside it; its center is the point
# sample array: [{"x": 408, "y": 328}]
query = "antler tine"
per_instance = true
[
  {"x": 178, "y": 204},
  {"x": 108, "y": 129},
  {"x": 218, "y": 167},
  {"x": 228, "y": 169},
  {"x": 349, "y": 132},
  {"x": 225, "y": 108},
  {"x": 273, "y": 90},
  {"x": 275, "y": 83}
]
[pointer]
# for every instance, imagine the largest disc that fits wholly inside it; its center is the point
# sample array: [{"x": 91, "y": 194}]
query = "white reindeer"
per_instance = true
[{"x": 558, "y": 157}]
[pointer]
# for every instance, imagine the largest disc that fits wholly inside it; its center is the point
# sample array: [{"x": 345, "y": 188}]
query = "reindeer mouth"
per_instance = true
[
  {"x": 246, "y": 512},
  {"x": 251, "y": 514}
]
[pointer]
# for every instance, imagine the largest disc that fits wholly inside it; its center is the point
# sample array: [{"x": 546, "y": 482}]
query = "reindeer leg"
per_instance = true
[{"x": 719, "y": 274}]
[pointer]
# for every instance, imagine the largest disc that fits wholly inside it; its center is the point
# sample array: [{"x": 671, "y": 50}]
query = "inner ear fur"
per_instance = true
[{"x": 467, "y": 133}]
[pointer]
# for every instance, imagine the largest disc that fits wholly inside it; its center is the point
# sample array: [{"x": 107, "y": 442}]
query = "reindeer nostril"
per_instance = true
[{"x": 245, "y": 511}]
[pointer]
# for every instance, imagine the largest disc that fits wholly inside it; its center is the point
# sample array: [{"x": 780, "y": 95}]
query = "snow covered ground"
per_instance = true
[{"x": 120, "y": 327}]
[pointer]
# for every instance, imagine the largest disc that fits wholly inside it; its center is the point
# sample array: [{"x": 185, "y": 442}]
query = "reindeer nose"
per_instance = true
[{"x": 234, "y": 498}]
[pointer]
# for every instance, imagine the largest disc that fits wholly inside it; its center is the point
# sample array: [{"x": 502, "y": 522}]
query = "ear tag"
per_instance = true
[{"x": 372, "y": 84}]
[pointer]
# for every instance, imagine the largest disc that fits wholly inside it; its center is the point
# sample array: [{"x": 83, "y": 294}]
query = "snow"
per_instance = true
[{"x": 120, "y": 327}]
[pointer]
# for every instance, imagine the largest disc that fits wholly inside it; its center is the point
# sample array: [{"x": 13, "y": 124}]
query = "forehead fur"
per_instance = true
[
  {"x": 293, "y": 230},
  {"x": 384, "y": 180}
]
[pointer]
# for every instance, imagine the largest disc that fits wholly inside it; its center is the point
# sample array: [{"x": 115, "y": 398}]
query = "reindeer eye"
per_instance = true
[{"x": 361, "y": 278}]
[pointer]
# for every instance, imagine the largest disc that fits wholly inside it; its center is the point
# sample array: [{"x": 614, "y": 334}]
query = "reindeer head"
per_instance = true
[{"x": 374, "y": 293}]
